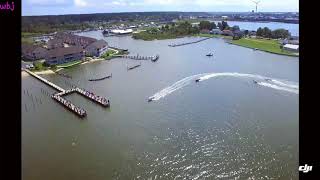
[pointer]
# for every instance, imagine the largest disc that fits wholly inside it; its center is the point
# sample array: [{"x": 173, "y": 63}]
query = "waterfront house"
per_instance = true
[
  {"x": 227, "y": 33},
  {"x": 64, "y": 55},
  {"x": 97, "y": 48},
  {"x": 216, "y": 31},
  {"x": 205, "y": 31},
  {"x": 252, "y": 33},
  {"x": 75, "y": 40},
  {"x": 291, "y": 47},
  {"x": 55, "y": 43},
  {"x": 32, "y": 52}
]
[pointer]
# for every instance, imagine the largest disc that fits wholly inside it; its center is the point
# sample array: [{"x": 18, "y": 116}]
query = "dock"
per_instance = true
[
  {"x": 44, "y": 80},
  {"x": 67, "y": 104},
  {"x": 93, "y": 97},
  {"x": 193, "y": 42},
  {"x": 78, "y": 111},
  {"x": 137, "y": 57}
]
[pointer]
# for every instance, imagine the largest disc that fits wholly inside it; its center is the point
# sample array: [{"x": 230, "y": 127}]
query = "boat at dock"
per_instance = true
[{"x": 99, "y": 79}]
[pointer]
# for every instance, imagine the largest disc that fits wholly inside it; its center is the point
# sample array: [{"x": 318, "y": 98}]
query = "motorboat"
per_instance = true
[
  {"x": 254, "y": 81},
  {"x": 198, "y": 80},
  {"x": 268, "y": 79},
  {"x": 150, "y": 99},
  {"x": 256, "y": 49},
  {"x": 210, "y": 54}
]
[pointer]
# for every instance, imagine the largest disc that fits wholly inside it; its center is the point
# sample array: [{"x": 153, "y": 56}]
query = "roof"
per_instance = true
[
  {"x": 64, "y": 51},
  {"x": 55, "y": 41},
  {"x": 99, "y": 44},
  {"x": 29, "y": 48},
  {"x": 291, "y": 46}
]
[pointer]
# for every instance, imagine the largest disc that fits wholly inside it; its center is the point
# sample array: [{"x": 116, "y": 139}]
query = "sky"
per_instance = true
[{"x": 58, "y": 7}]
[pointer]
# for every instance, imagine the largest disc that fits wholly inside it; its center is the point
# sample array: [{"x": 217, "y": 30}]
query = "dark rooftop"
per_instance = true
[{"x": 64, "y": 51}]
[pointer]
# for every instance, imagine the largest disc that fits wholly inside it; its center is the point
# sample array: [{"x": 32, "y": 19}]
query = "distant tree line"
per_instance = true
[{"x": 275, "y": 34}]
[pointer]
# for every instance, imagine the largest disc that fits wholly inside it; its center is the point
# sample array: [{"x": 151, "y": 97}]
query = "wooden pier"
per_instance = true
[
  {"x": 45, "y": 81},
  {"x": 137, "y": 57},
  {"x": 78, "y": 111},
  {"x": 58, "y": 96},
  {"x": 95, "y": 98},
  {"x": 182, "y": 44}
]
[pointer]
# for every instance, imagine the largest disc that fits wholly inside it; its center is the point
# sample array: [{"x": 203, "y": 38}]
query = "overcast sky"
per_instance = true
[{"x": 55, "y": 7}]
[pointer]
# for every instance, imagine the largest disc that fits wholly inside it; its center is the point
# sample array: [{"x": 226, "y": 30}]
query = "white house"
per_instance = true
[
  {"x": 215, "y": 31},
  {"x": 291, "y": 47}
]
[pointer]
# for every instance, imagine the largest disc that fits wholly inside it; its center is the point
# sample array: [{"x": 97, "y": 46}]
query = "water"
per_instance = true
[
  {"x": 253, "y": 26},
  {"x": 223, "y": 127}
]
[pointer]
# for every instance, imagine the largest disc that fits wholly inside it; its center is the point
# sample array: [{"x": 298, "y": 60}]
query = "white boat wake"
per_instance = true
[{"x": 277, "y": 84}]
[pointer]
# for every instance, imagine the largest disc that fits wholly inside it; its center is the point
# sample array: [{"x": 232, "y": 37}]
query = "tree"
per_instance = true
[
  {"x": 267, "y": 33},
  {"x": 205, "y": 25},
  {"x": 259, "y": 32},
  {"x": 235, "y": 28},
  {"x": 224, "y": 25},
  {"x": 246, "y": 32},
  {"x": 213, "y": 25},
  {"x": 220, "y": 26},
  {"x": 280, "y": 33}
]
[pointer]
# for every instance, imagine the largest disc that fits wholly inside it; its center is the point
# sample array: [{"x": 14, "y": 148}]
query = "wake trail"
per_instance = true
[{"x": 282, "y": 85}]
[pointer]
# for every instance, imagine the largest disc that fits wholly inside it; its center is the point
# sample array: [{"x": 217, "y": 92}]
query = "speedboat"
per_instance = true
[
  {"x": 210, "y": 54},
  {"x": 254, "y": 81},
  {"x": 150, "y": 99},
  {"x": 198, "y": 80}
]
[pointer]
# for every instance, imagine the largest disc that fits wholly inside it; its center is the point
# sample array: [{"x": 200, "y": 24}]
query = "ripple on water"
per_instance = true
[{"x": 209, "y": 154}]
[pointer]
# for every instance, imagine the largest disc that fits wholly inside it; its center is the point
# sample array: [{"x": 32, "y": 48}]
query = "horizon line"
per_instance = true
[{"x": 163, "y": 11}]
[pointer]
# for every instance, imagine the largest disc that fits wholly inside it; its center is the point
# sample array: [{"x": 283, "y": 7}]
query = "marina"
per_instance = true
[
  {"x": 58, "y": 96},
  {"x": 218, "y": 124}
]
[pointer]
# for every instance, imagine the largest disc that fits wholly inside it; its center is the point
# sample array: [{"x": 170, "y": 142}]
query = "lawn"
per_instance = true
[
  {"x": 69, "y": 64},
  {"x": 109, "y": 53},
  {"x": 272, "y": 46}
]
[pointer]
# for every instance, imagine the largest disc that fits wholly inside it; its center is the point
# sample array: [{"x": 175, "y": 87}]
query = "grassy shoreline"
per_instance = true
[{"x": 270, "y": 46}]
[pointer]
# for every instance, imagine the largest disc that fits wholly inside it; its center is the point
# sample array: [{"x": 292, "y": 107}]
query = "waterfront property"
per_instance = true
[
  {"x": 55, "y": 43},
  {"x": 291, "y": 47},
  {"x": 97, "y": 48},
  {"x": 227, "y": 33},
  {"x": 64, "y": 55},
  {"x": 75, "y": 40},
  {"x": 33, "y": 52},
  {"x": 216, "y": 31}
]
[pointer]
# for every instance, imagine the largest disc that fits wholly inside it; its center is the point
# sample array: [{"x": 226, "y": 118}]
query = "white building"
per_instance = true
[
  {"x": 121, "y": 31},
  {"x": 291, "y": 47}
]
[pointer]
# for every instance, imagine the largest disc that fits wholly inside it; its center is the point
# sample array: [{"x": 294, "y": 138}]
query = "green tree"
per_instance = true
[
  {"x": 220, "y": 26},
  {"x": 224, "y": 25},
  {"x": 235, "y": 28},
  {"x": 205, "y": 25},
  {"x": 259, "y": 32}
]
